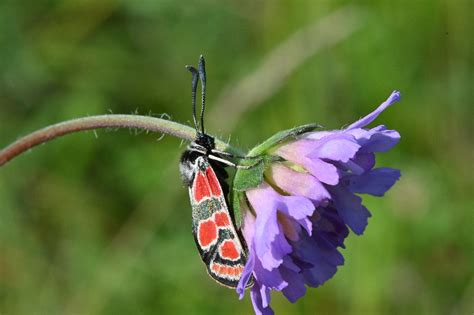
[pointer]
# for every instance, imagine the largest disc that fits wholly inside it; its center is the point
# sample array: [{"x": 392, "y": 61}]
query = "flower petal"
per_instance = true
[
  {"x": 325, "y": 172},
  {"x": 272, "y": 279},
  {"x": 296, "y": 207},
  {"x": 290, "y": 227},
  {"x": 319, "y": 134},
  {"x": 307, "y": 224},
  {"x": 270, "y": 244},
  {"x": 331, "y": 227},
  {"x": 351, "y": 210},
  {"x": 364, "y": 161},
  {"x": 394, "y": 97},
  {"x": 260, "y": 299},
  {"x": 375, "y": 182},
  {"x": 289, "y": 264},
  {"x": 297, "y": 152},
  {"x": 246, "y": 274},
  {"x": 297, "y": 183},
  {"x": 382, "y": 141},
  {"x": 319, "y": 274},
  {"x": 296, "y": 287},
  {"x": 321, "y": 261},
  {"x": 316, "y": 248},
  {"x": 248, "y": 225},
  {"x": 377, "y": 139},
  {"x": 337, "y": 147}
]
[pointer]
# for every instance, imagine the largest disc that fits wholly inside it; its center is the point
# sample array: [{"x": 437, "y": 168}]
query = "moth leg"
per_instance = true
[
  {"x": 229, "y": 163},
  {"x": 197, "y": 150},
  {"x": 230, "y": 155},
  {"x": 197, "y": 146},
  {"x": 223, "y": 161}
]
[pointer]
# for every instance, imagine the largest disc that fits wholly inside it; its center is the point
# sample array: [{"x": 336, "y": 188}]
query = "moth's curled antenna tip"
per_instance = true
[
  {"x": 202, "y": 62},
  {"x": 190, "y": 68}
]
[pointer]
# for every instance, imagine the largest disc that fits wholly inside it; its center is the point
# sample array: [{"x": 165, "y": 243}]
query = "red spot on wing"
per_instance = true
[
  {"x": 207, "y": 233},
  {"x": 222, "y": 270},
  {"x": 228, "y": 250},
  {"x": 201, "y": 187},
  {"x": 213, "y": 182},
  {"x": 228, "y": 270},
  {"x": 222, "y": 219}
]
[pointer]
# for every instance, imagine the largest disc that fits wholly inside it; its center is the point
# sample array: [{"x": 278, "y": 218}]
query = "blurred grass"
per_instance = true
[{"x": 102, "y": 225}]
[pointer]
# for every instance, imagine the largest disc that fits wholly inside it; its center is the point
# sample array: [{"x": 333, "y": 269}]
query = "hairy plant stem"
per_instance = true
[{"x": 148, "y": 123}]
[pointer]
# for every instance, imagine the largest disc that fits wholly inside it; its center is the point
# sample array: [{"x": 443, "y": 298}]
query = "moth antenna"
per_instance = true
[
  {"x": 202, "y": 76},
  {"x": 194, "y": 84}
]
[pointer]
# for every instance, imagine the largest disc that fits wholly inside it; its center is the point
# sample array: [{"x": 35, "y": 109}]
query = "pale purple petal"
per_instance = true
[
  {"x": 265, "y": 295},
  {"x": 382, "y": 141},
  {"x": 307, "y": 224},
  {"x": 375, "y": 182},
  {"x": 337, "y": 147},
  {"x": 323, "y": 171},
  {"x": 260, "y": 299},
  {"x": 270, "y": 244},
  {"x": 351, "y": 210},
  {"x": 279, "y": 248},
  {"x": 378, "y": 139},
  {"x": 297, "y": 183},
  {"x": 248, "y": 225},
  {"x": 319, "y": 134},
  {"x": 270, "y": 278},
  {"x": 394, "y": 97},
  {"x": 294, "y": 151},
  {"x": 297, "y": 152},
  {"x": 291, "y": 228},
  {"x": 296, "y": 207},
  {"x": 246, "y": 274}
]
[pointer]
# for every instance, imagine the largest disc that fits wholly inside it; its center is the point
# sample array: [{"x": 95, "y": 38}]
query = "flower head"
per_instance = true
[{"x": 300, "y": 214}]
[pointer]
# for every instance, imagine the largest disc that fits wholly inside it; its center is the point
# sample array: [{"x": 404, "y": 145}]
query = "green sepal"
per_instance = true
[
  {"x": 237, "y": 199},
  {"x": 250, "y": 177},
  {"x": 280, "y": 137}
]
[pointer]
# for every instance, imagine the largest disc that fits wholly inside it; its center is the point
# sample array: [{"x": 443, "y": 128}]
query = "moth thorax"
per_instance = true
[
  {"x": 206, "y": 141},
  {"x": 201, "y": 163}
]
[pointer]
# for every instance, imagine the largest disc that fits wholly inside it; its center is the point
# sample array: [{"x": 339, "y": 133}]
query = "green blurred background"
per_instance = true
[{"x": 99, "y": 223}]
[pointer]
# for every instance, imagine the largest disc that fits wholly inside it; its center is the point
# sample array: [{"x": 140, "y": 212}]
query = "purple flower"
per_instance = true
[{"x": 299, "y": 215}]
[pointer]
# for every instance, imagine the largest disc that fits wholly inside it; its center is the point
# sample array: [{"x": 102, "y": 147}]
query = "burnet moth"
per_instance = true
[{"x": 202, "y": 169}]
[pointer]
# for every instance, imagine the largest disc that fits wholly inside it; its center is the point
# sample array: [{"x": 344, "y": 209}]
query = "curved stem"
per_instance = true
[{"x": 103, "y": 121}]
